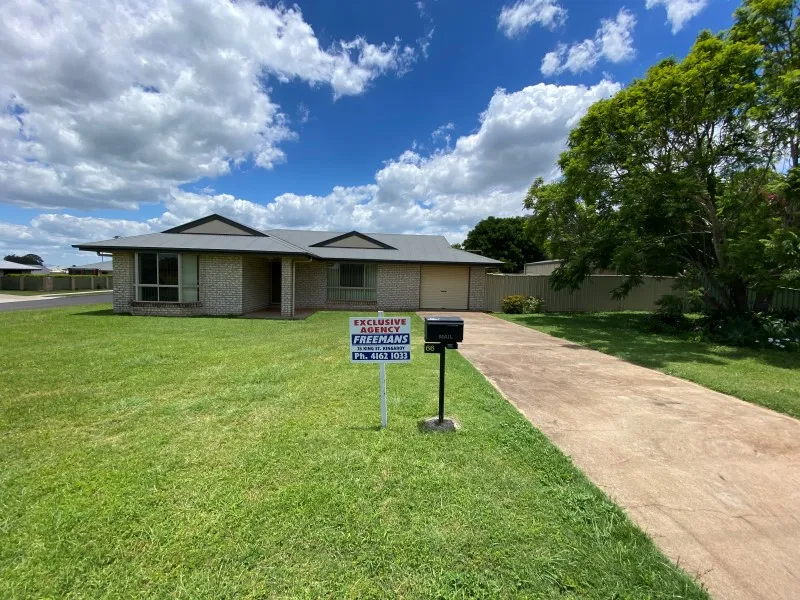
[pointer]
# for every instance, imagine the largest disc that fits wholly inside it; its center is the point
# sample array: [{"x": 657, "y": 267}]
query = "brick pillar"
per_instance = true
[
  {"x": 287, "y": 288},
  {"x": 477, "y": 288}
]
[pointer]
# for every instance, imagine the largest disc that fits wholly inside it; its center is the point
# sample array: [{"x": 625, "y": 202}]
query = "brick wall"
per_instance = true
[
  {"x": 233, "y": 284},
  {"x": 311, "y": 286},
  {"x": 221, "y": 284},
  {"x": 124, "y": 291},
  {"x": 255, "y": 283},
  {"x": 398, "y": 286},
  {"x": 477, "y": 288},
  {"x": 287, "y": 309},
  {"x": 167, "y": 309}
]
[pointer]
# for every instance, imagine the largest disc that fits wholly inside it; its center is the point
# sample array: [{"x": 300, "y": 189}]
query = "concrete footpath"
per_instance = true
[{"x": 713, "y": 480}]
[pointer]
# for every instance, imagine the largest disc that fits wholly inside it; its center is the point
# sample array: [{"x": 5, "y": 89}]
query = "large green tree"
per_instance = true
[
  {"x": 28, "y": 259},
  {"x": 505, "y": 239},
  {"x": 775, "y": 26},
  {"x": 675, "y": 174}
]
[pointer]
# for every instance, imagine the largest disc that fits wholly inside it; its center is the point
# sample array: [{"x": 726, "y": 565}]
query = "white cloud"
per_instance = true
[
  {"x": 303, "y": 113},
  {"x": 110, "y": 104},
  {"x": 679, "y": 11},
  {"x": 516, "y": 19},
  {"x": 443, "y": 133},
  {"x": 51, "y": 236},
  {"x": 613, "y": 41},
  {"x": 424, "y": 41},
  {"x": 616, "y": 37},
  {"x": 446, "y": 191}
]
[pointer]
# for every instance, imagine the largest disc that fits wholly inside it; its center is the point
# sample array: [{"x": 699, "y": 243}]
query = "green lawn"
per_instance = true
[
  {"x": 766, "y": 377},
  {"x": 233, "y": 458}
]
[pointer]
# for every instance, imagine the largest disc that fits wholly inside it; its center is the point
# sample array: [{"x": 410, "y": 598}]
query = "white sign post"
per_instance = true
[
  {"x": 380, "y": 340},
  {"x": 382, "y": 376}
]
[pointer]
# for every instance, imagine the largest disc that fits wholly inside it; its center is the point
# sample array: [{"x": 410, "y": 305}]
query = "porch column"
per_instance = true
[{"x": 287, "y": 288}]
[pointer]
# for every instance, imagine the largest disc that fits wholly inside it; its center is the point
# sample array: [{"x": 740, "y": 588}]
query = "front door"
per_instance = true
[{"x": 275, "y": 282}]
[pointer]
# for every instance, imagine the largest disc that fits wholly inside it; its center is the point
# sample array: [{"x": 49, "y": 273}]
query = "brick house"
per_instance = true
[
  {"x": 11, "y": 268},
  {"x": 216, "y": 266},
  {"x": 99, "y": 268}
]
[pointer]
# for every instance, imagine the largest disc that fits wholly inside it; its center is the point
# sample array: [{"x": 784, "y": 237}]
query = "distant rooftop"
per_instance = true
[
  {"x": 100, "y": 266},
  {"x": 7, "y": 265}
]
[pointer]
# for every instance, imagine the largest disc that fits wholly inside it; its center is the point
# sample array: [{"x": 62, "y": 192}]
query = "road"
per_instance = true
[{"x": 30, "y": 302}]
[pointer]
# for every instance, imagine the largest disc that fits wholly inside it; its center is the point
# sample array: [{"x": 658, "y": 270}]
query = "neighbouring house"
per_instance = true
[
  {"x": 546, "y": 267},
  {"x": 11, "y": 268},
  {"x": 216, "y": 266},
  {"x": 100, "y": 268}
]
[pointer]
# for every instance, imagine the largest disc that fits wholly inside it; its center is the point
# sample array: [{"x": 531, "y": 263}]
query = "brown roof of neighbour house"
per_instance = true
[
  {"x": 98, "y": 266},
  {"x": 390, "y": 247}
]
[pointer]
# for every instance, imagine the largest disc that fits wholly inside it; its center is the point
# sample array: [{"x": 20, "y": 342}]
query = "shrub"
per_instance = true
[
  {"x": 783, "y": 334},
  {"x": 668, "y": 316},
  {"x": 695, "y": 300},
  {"x": 754, "y": 330},
  {"x": 670, "y": 305},
  {"x": 513, "y": 305},
  {"x": 520, "y": 305},
  {"x": 735, "y": 330},
  {"x": 532, "y": 304}
]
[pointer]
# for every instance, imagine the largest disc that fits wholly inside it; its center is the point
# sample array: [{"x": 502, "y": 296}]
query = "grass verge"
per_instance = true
[
  {"x": 766, "y": 377},
  {"x": 232, "y": 458}
]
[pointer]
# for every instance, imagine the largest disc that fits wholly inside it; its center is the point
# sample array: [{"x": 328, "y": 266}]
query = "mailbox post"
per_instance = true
[{"x": 442, "y": 333}]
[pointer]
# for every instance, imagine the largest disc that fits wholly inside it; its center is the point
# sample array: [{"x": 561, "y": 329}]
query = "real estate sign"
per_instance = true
[{"x": 380, "y": 339}]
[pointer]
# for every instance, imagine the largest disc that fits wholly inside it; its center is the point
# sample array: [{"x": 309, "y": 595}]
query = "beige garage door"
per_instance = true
[{"x": 444, "y": 287}]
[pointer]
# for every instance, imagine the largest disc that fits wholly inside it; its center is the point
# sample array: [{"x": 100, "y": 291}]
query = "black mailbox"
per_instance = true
[{"x": 444, "y": 329}]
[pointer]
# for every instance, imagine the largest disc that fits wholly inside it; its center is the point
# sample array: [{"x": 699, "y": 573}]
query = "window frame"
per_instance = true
[
  {"x": 179, "y": 286},
  {"x": 372, "y": 292}
]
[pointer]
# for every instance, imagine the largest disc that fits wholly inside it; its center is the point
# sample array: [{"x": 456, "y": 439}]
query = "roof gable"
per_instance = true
[
  {"x": 353, "y": 239},
  {"x": 215, "y": 225}
]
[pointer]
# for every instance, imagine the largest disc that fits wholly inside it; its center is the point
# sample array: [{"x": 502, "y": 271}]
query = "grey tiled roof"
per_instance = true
[
  {"x": 404, "y": 248},
  {"x": 7, "y": 265},
  {"x": 196, "y": 242},
  {"x": 407, "y": 248}
]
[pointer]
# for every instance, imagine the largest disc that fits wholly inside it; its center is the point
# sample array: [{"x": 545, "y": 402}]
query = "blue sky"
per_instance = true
[{"x": 379, "y": 116}]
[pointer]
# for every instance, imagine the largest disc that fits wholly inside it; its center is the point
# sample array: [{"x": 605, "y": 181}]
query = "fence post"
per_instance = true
[
  {"x": 22, "y": 283},
  {"x": 72, "y": 283},
  {"x": 91, "y": 282}
]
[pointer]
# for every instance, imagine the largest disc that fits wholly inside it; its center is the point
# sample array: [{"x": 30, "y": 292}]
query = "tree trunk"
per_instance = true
[{"x": 738, "y": 295}]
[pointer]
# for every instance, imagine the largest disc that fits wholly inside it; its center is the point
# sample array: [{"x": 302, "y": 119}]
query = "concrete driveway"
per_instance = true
[{"x": 713, "y": 480}]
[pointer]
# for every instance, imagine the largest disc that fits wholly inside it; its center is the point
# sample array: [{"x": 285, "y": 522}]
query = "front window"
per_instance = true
[
  {"x": 352, "y": 281},
  {"x": 167, "y": 277}
]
